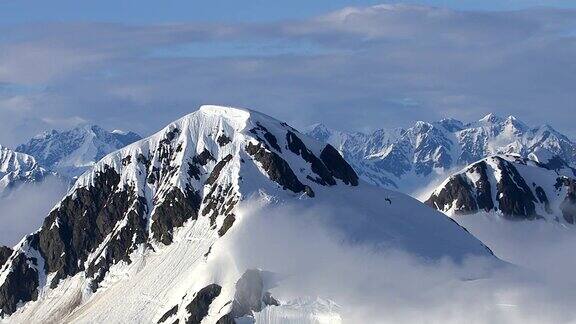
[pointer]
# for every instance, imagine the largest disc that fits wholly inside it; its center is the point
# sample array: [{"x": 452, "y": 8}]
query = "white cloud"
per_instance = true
[
  {"x": 24, "y": 210},
  {"x": 345, "y": 68},
  {"x": 388, "y": 286}
]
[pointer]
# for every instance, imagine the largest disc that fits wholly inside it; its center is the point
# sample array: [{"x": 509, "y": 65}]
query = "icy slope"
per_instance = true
[
  {"x": 408, "y": 159},
  {"x": 514, "y": 187},
  {"x": 18, "y": 168},
  {"x": 142, "y": 237},
  {"x": 71, "y": 152}
]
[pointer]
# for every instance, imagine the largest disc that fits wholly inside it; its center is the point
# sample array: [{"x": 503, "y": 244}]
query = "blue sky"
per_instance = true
[
  {"x": 134, "y": 11},
  {"x": 354, "y": 66}
]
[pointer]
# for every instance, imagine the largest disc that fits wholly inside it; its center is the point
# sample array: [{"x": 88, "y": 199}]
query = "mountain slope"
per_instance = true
[
  {"x": 142, "y": 237},
  {"x": 513, "y": 187},
  {"x": 18, "y": 168},
  {"x": 71, "y": 152},
  {"x": 409, "y": 159}
]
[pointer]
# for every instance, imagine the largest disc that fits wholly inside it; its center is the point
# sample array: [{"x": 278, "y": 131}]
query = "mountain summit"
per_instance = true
[
  {"x": 18, "y": 168},
  {"x": 512, "y": 187},
  {"x": 409, "y": 159},
  {"x": 143, "y": 235},
  {"x": 72, "y": 152}
]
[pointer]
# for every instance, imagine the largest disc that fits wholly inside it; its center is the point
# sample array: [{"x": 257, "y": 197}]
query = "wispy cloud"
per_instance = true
[
  {"x": 353, "y": 68},
  {"x": 24, "y": 209}
]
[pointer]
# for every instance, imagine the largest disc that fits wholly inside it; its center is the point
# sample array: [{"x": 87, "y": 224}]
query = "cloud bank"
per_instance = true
[
  {"x": 390, "y": 286},
  {"x": 24, "y": 210},
  {"x": 356, "y": 68}
]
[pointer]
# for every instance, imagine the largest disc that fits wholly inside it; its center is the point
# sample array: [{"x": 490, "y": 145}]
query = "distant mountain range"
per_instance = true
[
  {"x": 71, "y": 152},
  {"x": 411, "y": 159},
  {"x": 63, "y": 154}
]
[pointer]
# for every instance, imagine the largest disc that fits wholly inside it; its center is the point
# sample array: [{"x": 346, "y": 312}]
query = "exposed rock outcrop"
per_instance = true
[{"x": 514, "y": 187}]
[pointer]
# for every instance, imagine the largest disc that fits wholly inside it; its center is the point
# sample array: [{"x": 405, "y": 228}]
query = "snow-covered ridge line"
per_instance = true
[
  {"x": 71, "y": 152},
  {"x": 513, "y": 187},
  {"x": 17, "y": 168},
  {"x": 141, "y": 233},
  {"x": 408, "y": 159}
]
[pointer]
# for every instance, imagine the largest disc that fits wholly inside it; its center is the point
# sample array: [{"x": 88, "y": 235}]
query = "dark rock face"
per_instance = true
[
  {"x": 193, "y": 171},
  {"x": 483, "y": 188},
  {"x": 199, "y": 306},
  {"x": 557, "y": 163},
  {"x": 223, "y": 140},
  {"x": 338, "y": 166},
  {"x": 296, "y": 145},
  {"x": 21, "y": 284},
  {"x": 5, "y": 253},
  {"x": 217, "y": 169},
  {"x": 126, "y": 160},
  {"x": 249, "y": 293},
  {"x": 220, "y": 200},
  {"x": 165, "y": 154},
  {"x": 226, "y": 319},
  {"x": 458, "y": 193},
  {"x": 75, "y": 230},
  {"x": 199, "y": 160},
  {"x": 228, "y": 222},
  {"x": 269, "y": 137},
  {"x": 171, "y": 312},
  {"x": 515, "y": 199},
  {"x": 203, "y": 158},
  {"x": 122, "y": 244},
  {"x": 249, "y": 297},
  {"x": 268, "y": 300},
  {"x": 568, "y": 206},
  {"x": 67, "y": 244},
  {"x": 277, "y": 169},
  {"x": 543, "y": 199},
  {"x": 173, "y": 212}
]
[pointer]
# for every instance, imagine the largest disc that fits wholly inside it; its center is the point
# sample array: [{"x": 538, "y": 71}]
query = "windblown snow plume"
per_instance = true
[{"x": 367, "y": 284}]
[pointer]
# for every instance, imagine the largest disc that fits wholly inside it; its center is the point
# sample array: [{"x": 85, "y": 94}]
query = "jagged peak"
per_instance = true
[
  {"x": 318, "y": 127},
  {"x": 203, "y": 129},
  {"x": 423, "y": 126},
  {"x": 82, "y": 129},
  {"x": 451, "y": 124},
  {"x": 491, "y": 118},
  {"x": 8, "y": 153},
  {"x": 512, "y": 120}
]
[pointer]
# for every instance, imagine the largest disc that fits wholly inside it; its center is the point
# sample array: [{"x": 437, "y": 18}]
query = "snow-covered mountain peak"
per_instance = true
[
  {"x": 11, "y": 160},
  {"x": 142, "y": 236},
  {"x": 512, "y": 187},
  {"x": 228, "y": 112},
  {"x": 451, "y": 124},
  {"x": 490, "y": 118},
  {"x": 72, "y": 152},
  {"x": 17, "y": 168},
  {"x": 218, "y": 133},
  {"x": 320, "y": 132},
  {"x": 410, "y": 159}
]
